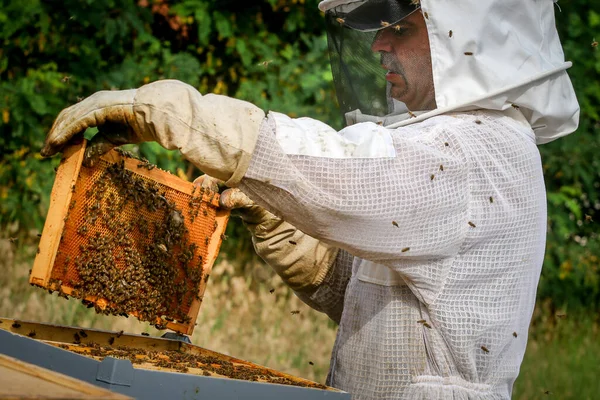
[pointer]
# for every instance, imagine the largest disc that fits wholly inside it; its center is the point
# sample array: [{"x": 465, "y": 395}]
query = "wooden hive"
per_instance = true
[{"x": 128, "y": 238}]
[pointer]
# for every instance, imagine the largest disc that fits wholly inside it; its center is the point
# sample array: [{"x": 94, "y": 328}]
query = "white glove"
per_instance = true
[
  {"x": 301, "y": 260},
  {"x": 215, "y": 133}
]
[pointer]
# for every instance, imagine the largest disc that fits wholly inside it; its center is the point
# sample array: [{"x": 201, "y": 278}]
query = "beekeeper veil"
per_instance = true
[
  {"x": 494, "y": 54},
  {"x": 353, "y": 28}
]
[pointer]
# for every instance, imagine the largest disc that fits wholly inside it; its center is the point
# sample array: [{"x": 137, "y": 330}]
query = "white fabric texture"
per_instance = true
[
  {"x": 459, "y": 214},
  {"x": 501, "y": 53}
]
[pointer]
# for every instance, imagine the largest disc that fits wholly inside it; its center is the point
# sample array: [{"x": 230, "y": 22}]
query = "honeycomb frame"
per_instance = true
[{"x": 69, "y": 188}]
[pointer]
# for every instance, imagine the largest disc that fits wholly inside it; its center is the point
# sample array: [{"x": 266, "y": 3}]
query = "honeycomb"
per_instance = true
[{"x": 132, "y": 240}]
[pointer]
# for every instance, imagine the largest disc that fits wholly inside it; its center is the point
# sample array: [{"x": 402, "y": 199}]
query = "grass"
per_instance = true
[{"x": 240, "y": 317}]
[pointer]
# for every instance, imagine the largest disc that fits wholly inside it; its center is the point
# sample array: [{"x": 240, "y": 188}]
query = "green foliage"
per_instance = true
[
  {"x": 571, "y": 275},
  {"x": 272, "y": 53}
]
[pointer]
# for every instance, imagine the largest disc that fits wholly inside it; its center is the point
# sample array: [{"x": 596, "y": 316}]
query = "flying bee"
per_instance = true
[
  {"x": 385, "y": 24},
  {"x": 404, "y": 250},
  {"x": 65, "y": 79},
  {"x": 83, "y": 334},
  {"x": 272, "y": 291},
  {"x": 311, "y": 363},
  {"x": 426, "y": 325},
  {"x": 425, "y": 15},
  {"x": 485, "y": 349},
  {"x": 145, "y": 334},
  {"x": 412, "y": 114},
  {"x": 421, "y": 321},
  {"x": 446, "y": 144},
  {"x": 478, "y": 122},
  {"x": 472, "y": 225},
  {"x": 340, "y": 20},
  {"x": 468, "y": 53},
  {"x": 292, "y": 242},
  {"x": 395, "y": 224},
  {"x": 295, "y": 312},
  {"x": 450, "y": 33},
  {"x": 515, "y": 334}
]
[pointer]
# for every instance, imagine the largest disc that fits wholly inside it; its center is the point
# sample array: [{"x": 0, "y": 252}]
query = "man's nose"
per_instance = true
[{"x": 381, "y": 41}]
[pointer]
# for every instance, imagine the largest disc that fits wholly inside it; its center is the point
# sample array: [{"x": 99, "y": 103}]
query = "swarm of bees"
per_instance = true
[{"x": 144, "y": 265}]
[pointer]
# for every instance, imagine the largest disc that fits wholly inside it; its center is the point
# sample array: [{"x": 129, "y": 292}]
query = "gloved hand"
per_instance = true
[
  {"x": 215, "y": 133},
  {"x": 301, "y": 260}
]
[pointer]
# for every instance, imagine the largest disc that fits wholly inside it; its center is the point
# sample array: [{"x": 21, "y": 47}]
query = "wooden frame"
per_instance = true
[
  {"x": 67, "y": 179},
  {"x": 21, "y": 380}
]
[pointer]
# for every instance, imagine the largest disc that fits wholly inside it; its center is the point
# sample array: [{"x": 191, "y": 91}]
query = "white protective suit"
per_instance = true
[
  {"x": 441, "y": 218},
  {"x": 425, "y": 238}
]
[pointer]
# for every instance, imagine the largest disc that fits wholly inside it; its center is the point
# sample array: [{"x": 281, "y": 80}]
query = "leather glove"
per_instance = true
[
  {"x": 299, "y": 259},
  {"x": 216, "y": 133}
]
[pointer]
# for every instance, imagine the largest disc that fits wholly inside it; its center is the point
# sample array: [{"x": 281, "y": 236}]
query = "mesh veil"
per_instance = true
[{"x": 359, "y": 79}]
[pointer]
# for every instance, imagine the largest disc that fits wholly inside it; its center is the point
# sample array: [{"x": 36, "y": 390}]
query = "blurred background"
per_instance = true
[{"x": 272, "y": 53}]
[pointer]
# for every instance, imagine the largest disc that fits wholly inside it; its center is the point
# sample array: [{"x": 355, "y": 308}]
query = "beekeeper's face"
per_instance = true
[{"x": 405, "y": 53}]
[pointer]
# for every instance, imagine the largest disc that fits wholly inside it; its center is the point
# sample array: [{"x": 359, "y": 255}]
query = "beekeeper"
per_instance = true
[{"x": 420, "y": 227}]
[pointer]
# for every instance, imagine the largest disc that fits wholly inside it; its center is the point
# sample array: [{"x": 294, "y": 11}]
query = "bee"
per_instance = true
[
  {"x": 397, "y": 28},
  {"x": 266, "y": 63},
  {"x": 395, "y": 224},
  {"x": 111, "y": 340},
  {"x": 450, "y": 33},
  {"x": 432, "y": 177},
  {"x": 340, "y": 20},
  {"x": 65, "y": 79},
  {"x": 206, "y": 278},
  {"x": 224, "y": 237},
  {"x": 83, "y": 334},
  {"x": 39, "y": 235},
  {"x": 12, "y": 240},
  {"x": 404, "y": 250},
  {"x": 485, "y": 349},
  {"x": 446, "y": 144},
  {"x": 594, "y": 43},
  {"x": 468, "y": 53},
  {"x": 292, "y": 242},
  {"x": 412, "y": 114},
  {"x": 16, "y": 325},
  {"x": 441, "y": 168},
  {"x": 145, "y": 334},
  {"x": 588, "y": 218},
  {"x": 426, "y": 325},
  {"x": 385, "y": 24},
  {"x": 295, "y": 312},
  {"x": 516, "y": 107},
  {"x": 425, "y": 15},
  {"x": 515, "y": 334},
  {"x": 478, "y": 122},
  {"x": 76, "y": 338},
  {"x": 73, "y": 189},
  {"x": 31, "y": 334},
  {"x": 547, "y": 392},
  {"x": 561, "y": 315},
  {"x": 311, "y": 363},
  {"x": 207, "y": 239},
  {"x": 272, "y": 291},
  {"x": 491, "y": 199},
  {"x": 472, "y": 225}
]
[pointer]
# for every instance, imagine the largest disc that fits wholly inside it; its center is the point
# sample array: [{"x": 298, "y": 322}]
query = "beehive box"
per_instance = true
[
  {"x": 151, "y": 368},
  {"x": 128, "y": 238}
]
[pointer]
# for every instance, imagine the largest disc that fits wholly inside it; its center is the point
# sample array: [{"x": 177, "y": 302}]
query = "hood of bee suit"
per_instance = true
[{"x": 495, "y": 54}]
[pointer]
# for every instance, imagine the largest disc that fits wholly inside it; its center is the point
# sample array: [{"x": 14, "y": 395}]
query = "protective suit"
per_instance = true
[{"x": 421, "y": 231}]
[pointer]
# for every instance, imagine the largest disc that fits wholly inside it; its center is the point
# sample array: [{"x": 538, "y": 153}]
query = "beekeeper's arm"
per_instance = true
[
  {"x": 317, "y": 272},
  {"x": 377, "y": 193}
]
